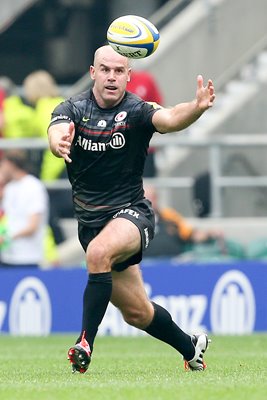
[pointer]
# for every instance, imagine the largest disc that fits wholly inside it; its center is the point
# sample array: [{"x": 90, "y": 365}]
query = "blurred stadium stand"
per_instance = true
[{"x": 11, "y": 10}]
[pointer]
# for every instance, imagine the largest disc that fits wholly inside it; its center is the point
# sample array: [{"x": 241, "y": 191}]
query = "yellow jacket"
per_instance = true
[
  {"x": 19, "y": 119},
  {"x": 52, "y": 167}
]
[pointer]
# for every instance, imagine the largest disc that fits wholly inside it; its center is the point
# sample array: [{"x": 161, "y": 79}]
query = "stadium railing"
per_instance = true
[{"x": 214, "y": 146}]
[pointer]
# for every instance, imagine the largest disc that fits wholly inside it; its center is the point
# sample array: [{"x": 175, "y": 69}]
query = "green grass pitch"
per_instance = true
[{"x": 138, "y": 368}]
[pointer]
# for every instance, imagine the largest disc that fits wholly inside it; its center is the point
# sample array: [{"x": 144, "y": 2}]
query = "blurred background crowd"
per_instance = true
[{"x": 210, "y": 198}]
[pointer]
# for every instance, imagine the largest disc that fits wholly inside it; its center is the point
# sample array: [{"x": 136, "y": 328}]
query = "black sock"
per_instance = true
[
  {"x": 164, "y": 328},
  {"x": 95, "y": 301}
]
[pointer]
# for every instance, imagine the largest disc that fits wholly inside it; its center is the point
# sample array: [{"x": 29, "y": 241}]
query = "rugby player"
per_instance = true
[{"x": 103, "y": 134}]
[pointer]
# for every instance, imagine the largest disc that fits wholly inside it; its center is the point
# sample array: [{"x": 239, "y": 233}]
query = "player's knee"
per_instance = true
[
  {"x": 97, "y": 258},
  {"x": 139, "y": 318}
]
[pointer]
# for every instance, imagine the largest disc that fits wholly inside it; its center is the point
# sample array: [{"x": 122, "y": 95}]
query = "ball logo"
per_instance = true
[
  {"x": 131, "y": 52},
  {"x": 233, "y": 304},
  {"x": 30, "y": 309},
  {"x": 117, "y": 141},
  {"x": 133, "y": 36},
  {"x": 121, "y": 116}
]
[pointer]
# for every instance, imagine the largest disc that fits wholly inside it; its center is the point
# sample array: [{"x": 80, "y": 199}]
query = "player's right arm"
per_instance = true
[{"x": 60, "y": 137}]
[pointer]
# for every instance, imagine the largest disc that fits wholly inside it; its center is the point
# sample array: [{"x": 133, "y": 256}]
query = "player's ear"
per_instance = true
[
  {"x": 129, "y": 74},
  {"x": 92, "y": 72}
]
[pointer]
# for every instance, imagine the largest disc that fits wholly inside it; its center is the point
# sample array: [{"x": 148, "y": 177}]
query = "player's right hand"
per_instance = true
[{"x": 64, "y": 143}]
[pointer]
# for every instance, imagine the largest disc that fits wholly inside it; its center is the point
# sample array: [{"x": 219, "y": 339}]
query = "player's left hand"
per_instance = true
[{"x": 205, "y": 95}]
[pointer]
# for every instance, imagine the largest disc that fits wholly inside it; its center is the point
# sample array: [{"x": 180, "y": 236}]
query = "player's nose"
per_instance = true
[{"x": 111, "y": 76}]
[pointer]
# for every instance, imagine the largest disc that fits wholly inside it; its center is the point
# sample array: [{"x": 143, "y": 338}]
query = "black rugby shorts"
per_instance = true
[{"x": 141, "y": 214}]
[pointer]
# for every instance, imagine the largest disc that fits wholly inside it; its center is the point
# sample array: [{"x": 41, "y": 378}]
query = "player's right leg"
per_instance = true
[{"x": 116, "y": 242}]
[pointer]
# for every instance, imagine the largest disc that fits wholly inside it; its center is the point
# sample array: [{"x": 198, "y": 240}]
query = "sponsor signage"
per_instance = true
[{"x": 219, "y": 298}]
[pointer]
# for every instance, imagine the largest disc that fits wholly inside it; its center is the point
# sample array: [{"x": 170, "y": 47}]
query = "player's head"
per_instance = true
[{"x": 110, "y": 73}]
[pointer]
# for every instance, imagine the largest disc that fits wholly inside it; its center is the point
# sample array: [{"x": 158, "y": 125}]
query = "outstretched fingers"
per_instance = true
[
  {"x": 200, "y": 81},
  {"x": 64, "y": 144},
  {"x": 211, "y": 90},
  {"x": 205, "y": 94},
  {"x": 64, "y": 147}
]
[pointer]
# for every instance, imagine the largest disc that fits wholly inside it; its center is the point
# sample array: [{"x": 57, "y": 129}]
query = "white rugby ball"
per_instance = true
[{"x": 133, "y": 36}]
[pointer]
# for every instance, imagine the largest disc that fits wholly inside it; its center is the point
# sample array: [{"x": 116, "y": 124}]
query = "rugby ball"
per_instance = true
[{"x": 133, "y": 36}]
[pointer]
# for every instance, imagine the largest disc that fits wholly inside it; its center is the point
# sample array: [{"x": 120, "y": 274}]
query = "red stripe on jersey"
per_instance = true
[{"x": 94, "y": 132}]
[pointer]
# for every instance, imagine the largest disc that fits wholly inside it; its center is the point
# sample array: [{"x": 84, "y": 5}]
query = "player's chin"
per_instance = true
[{"x": 112, "y": 96}]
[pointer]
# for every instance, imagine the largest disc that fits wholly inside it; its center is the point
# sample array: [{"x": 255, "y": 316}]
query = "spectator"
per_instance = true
[
  {"x": 19, "y": 116},
  {"x": 6, "y": 89},
  {"x": 2, "y": 97},
  {"x": 42, "y": 91},
  {"x": 173, "y": 233},
  {"x": 144, "y": 85},
  {"x": 28, "y": 116},
  {"x": 25, "y": 206},
  {"x": 3, "y": 225}
]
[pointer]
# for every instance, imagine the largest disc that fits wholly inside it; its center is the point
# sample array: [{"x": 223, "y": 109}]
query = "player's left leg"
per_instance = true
[{"x": 128, "y": 294}]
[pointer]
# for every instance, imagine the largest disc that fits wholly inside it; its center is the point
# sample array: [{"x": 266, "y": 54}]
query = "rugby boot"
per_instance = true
[
  {"x": 80, "y": 356},
  {"x": 201, "y": 343}
]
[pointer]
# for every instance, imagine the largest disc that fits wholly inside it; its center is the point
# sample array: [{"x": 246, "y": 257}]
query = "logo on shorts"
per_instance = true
[
  {"x": 121, "y": 116},
  {"x": 146, "y": 237},
  {"x": 127, "y": 211}
]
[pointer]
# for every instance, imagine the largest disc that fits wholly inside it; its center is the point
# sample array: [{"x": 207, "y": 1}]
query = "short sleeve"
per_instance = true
[
  {"x": 145, "y": 114},
  {"x": 64, "y": 112}
]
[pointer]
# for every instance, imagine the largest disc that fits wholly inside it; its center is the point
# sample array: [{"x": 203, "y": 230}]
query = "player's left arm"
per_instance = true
[{"x": 184, "y": 114}]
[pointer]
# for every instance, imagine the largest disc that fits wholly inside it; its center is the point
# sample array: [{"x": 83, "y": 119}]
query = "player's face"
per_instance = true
[{"x": 111, "y": 73}]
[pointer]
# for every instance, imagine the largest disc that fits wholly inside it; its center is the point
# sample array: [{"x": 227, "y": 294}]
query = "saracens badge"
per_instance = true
[{"x": 121, "y": 116}]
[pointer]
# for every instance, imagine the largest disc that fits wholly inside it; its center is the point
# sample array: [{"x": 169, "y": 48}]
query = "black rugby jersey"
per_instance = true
[{"x": 108, "y": 152}]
